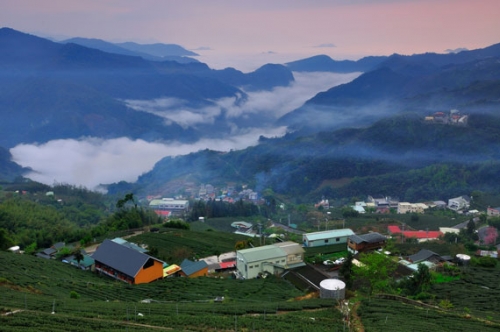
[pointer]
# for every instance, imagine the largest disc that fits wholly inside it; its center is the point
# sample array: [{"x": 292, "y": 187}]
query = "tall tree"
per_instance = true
[
  {"x": 374, "y": 272},
  {"x": 345, "y": 270}
]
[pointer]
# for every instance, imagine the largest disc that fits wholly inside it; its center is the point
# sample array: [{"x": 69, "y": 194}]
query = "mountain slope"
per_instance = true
[
  {"x": 424, "y": 83},
  {"x": 9, "y": 170},
  {"x": 55, "y": 91},
  {"x": 397, "y": 153}
]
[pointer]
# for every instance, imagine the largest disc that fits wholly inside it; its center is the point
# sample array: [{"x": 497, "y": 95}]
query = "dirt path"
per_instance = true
[
  {"x": 355, "y": 320},
  {"x": 92, "y": 248}
]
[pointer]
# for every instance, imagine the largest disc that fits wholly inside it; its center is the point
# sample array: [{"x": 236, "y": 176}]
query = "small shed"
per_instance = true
[
  {"x": 425, "y": 255},
  {"x": 366, "y": 242},
  {"x": 192, "y": 269}
]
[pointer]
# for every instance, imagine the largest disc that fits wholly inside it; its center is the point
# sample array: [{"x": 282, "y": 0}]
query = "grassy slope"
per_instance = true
[{"x": 37, "y": 287}]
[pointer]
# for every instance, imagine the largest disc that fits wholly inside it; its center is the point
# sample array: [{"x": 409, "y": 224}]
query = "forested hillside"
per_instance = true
[{"x": 401, "y": 156}]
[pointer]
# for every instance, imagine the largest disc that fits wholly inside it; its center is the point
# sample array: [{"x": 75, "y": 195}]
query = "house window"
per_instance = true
[
  {"x": 326, "y": 241},
  {"x": 282, "y": 261},
  {"x": 337, "y": 239}
]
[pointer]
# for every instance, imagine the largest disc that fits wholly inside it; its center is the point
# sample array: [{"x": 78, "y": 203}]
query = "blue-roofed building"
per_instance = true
[
  {"x": 326, "y": 238},
  {"x": 130, "y": 245},
  {"x": 194, "y": 269}
]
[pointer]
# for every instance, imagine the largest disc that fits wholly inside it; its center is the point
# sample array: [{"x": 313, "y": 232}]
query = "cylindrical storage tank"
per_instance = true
[
  {"x": 332, "y": 289},
  {"x": 463, "y": 259}
]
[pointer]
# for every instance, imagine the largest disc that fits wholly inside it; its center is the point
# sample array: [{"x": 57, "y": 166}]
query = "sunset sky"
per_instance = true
[{"x": 279, "y": 29}]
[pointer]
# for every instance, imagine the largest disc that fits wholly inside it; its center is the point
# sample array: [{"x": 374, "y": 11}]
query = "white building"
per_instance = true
[
  {"x": 273, "y": 259},
  {"x": 175, "y": 206},
  {"x": 405, "y": 207},
  {"x": 459, "y": 203},
  {"x": 326, "y": 238}
]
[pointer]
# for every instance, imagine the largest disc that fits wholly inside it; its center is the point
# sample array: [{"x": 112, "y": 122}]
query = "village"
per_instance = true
[{"x": 132, "y": 263}]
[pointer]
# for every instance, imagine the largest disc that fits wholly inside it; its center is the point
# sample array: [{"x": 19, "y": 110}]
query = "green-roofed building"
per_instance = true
[
  {"x": 274, "y": 259},
  {"x": 326, "y": 238}
]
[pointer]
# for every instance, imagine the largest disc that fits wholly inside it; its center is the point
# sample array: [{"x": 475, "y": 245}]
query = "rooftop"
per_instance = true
[
  {"x": 261, "y": 253},
  {"x": 369, "y": 238},
  {"x": 121, "y": 258},
  {"x": 328, "y": 234}
]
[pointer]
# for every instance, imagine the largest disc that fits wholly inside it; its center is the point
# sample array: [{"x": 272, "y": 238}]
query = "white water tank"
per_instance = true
[
  {"x": 332, "y": 289},
  {"x": 463, "y": 259}
]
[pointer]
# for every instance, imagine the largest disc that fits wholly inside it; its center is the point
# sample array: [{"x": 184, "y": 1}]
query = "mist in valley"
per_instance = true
[{"x": 91, "y": 161}]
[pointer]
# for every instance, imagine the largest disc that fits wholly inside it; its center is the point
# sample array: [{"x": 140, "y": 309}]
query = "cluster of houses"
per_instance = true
[
  {"x": 178, "y": 207},
  {"x": 130, "y": 263},
  {"x": 169, "y": 207},
  {"x": 206, "y": 192},
  {"x": 284, "y": 256},
  {"x": 454, "y": 117},
  {"x": 459, "y": 204}
]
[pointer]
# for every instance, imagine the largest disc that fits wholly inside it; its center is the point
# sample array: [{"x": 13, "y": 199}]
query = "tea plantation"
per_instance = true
[{"x": 33, "y": 288}]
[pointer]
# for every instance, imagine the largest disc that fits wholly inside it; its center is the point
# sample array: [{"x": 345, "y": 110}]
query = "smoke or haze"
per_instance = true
[
  {"x": 269, "y": 105},
  {"x": 90, "y": 162}
]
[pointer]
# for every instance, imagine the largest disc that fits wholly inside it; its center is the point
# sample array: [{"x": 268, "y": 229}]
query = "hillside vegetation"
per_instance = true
[
  {"x": 36, "y": 287},
  {"x": 400, "y": 156}
]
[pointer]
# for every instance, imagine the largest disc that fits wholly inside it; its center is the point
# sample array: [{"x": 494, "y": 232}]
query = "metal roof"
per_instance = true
[
  {"x": 261, "y": 253},
  {"x": 423, "y": 255},
  {"x": 163, "y": 201},
  {"x": 369, "y": 238},
  {"x": 190, "y": 267},
  {"x": 328, "y": 234},
  {"x": 290, "y": 247},
  {"x": 121, "y": 258},
  {"x": 130, "y": 245}
]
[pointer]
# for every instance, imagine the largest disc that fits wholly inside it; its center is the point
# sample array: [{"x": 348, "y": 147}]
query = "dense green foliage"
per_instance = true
[
  {"x": 218, "y": 209},
  {"x": 27, "y": 221},
  {"x": 400, "y": 156}
]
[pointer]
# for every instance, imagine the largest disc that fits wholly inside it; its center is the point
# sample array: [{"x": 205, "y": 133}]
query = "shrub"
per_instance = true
[
  {"x": 445, "y": 304},
  {"x": 486, "y": 262},
  {"x": 74, "y": 295}
]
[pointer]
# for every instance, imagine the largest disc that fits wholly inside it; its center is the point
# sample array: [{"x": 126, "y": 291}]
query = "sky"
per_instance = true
[{"x": 245, "y": 34}]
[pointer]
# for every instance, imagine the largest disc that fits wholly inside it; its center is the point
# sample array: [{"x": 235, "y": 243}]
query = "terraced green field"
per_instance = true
[
  {"x": 34, "y": 288},
  {"x": 173, "y": 244}
]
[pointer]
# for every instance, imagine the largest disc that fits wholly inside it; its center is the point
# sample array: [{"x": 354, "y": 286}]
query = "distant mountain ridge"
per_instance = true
[
  {"x": 158, "y": 49},
  {"x": 52, "y": 91},
  {"x": 153, "y": 52},
  {"x": 427, "y": 82},
  {"x": 327, "y": 64}
]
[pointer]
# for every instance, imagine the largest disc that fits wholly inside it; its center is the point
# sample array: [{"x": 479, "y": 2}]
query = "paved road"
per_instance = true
[{"x": 288, "y": 229}]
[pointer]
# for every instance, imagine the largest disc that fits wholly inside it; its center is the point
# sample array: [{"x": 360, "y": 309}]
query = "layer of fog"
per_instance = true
[
  {"x": 267, "y": 105},
  {"x": 91, "y": 161}
]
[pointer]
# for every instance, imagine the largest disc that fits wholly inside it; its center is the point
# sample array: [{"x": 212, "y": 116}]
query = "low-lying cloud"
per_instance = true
[
  {"x": 273, "y": 104},
  {"x": 90, "y": 162}
]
